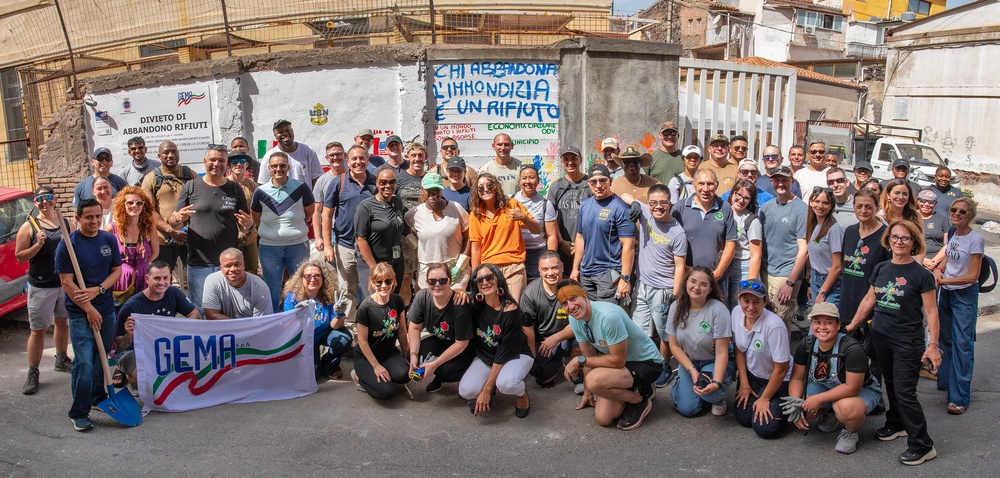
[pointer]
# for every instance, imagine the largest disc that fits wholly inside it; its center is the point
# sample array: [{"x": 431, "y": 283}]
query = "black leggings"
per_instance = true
[
  {"x": 452, "y": 370},
  {"x": 399, "y": 372}
]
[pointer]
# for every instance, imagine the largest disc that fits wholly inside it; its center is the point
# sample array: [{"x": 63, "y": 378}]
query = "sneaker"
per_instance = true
[
  {"x": 847, "y": 442},
  {"x": 434, "y": 386},
  {"x": 634, "y": 414},
  {"x": 888, "y": 433},
  {"x": 828, "y": 423},
  {"x": 82, "y": 424},
  {"x": 31, "y": 384},
  {"x": 665, "y": 376},
  {"x": 913, "y": 458},
  {"x": 647, "y": 392},
  {"x": 63, "y": 363},
  {"x": 357, "y": 383},
  {"x": 133, "y": 390},
  {"x": 719, "y": 409}
]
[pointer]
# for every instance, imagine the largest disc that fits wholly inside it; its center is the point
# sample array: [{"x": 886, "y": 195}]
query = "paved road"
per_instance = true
[{"x": 341, "y": 431}]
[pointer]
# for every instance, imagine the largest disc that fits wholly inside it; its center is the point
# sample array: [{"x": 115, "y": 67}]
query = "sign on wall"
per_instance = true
[
  {"x": 180, "y": 114},
  {"x": 473, "y": 101}
]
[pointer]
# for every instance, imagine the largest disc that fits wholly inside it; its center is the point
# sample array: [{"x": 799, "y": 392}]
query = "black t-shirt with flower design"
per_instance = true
[
  {"x": 448, "y": 324},
  {"x": 499, "y": 336},
  {"x": 383, "y": 322},
  {"x": 898, "y": 302}
]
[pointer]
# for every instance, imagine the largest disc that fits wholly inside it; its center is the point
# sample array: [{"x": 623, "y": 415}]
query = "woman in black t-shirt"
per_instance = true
[
  {"x": 899, "y": 288},
  {"x": 444, "y": 314},
  {"x": 503, "y": 358},
  {"x": 379, "y": 227},
  {"x": 378, "y": 365}
]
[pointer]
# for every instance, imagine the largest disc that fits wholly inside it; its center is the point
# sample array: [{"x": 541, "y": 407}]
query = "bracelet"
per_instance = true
[{"x": 717, "y": 383}]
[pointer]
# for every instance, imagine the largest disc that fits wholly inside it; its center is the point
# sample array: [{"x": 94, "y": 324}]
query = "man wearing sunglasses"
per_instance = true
[
  {"x": 666, "y": 162},
  {"x": 101, "y": 161},
  {"x": 772, "y": 159},
  {"x": 843, "y": 212},
  {"x": 163, "y": 187},
  {"x": 814, "y": 175},
  {"x": 449, "y": 149},
  {"x": 605, "y": 241},
  {"x": 303, "y": 162},
  {"x": 140, "y": 166},
  {"x": 632, "y": 181},
  {"x": 720, "y": 163},
  {"x": 784, "y": 225}
]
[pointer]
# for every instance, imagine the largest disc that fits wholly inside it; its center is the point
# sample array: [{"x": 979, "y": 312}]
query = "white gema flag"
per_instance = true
[{"x": 185, "y": 364}]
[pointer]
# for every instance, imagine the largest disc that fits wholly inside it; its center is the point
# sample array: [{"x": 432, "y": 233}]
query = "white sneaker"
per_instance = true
[
  {"x": 847, "y": 442},
  {"x": 828, "y": 423},
  {"x": 357, "y": 383},
  {"x": 719, "y": 409}
]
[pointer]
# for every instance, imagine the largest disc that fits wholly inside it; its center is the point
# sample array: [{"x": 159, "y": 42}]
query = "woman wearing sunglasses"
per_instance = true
[
  {"x": 936, "y": 224},
  {"x": 315, "y": 282},
  {"x": 503, "y": 358},
  {"x": 826, "y": 244},
  {"x": 958, "y": 305},
  {"x": 699, "y": 329},
  {"x": 444, "y": 313},
  {"x": 239, "y": 161},
  {"x": 763, "y": 358},
  {"x": 381, "y": 321},
  {"x": 133, "y": 225},
  {"x": 442, "y": 230},
  {"x": 900, "y": 288},
  {"x": 379, "y": 226},
  {"x": 36, "y": 243},
  {"x": 495, "y": 232}
]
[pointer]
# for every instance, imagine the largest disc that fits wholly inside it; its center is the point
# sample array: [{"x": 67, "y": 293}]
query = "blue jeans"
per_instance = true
[
  {"x": 87, "y": 380},
  {"x": 957, "y": 311},
  {"x": 196, "y": 284},
  {"x": 689, "y": 403},
  {"x": 816, "y": 281},
  {"x": 274, "y": 261},
  {"x": 339, "y": 342}
]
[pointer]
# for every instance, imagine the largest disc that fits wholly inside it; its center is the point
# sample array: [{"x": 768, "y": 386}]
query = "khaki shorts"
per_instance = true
[
  {"x": 44, "y": 305},
  {"x": 410, "y": 263}
]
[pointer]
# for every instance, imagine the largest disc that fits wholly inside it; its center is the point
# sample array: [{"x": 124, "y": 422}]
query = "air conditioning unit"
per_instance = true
[
  {"x": 897, "y": 18},
  {"x": 809, "y": 30}
]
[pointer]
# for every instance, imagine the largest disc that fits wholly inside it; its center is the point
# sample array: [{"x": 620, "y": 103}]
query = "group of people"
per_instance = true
[{"x": 474, "y": 277}]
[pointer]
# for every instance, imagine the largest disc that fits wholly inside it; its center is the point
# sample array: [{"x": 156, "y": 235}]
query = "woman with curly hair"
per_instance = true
[
  {"x": 132, "y": 223},
  {"x": 495, "y": 232},
  {"x": 314, "y": 282},
  {"x": 503, "y": 358}
]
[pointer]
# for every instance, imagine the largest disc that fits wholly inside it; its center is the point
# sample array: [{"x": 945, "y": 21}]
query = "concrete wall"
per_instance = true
[
  {"x": 772, "y": 43},
  {"x": 840, "y": 102}
]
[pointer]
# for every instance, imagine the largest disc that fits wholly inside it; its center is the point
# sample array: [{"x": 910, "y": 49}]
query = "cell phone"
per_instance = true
[
  {"x": 928, "y": 365},
  {"x": 703, "y": 381}
]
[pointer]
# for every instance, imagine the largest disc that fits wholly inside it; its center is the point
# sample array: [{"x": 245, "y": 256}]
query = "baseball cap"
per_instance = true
[
  {"x": 824, "y": 309},
  {"x": 235, "y": 153},
  {"x": 927, "y": 194},
  {"x": 456, "y": 162},
  {"x": 99, "y": 151},
  {"x": 782, "y": 171},
  {"x": 570, "y": 149},
  {"x": 747, "y": 164},
  {"x": 901, "y": 163},
  {"x": 609, "y": 143},
  {"x": 719, "y": 137},
  {"x": 668, "y": 126},
  {"x": 863, "y": 165},
  {"x": 753, "y": 286},
  {"x": 280, "y": 123},
  {"x": 365, "y": 132},
  {"x": 432, "y": 181},
  {"x": 691, "y": 149},
  {"x": 392, "y": 139},
  {"x": 599, "y": 170}
]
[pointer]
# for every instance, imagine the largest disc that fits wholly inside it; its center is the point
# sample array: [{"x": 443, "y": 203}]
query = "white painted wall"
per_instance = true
[{"x": 771, "y": 43}]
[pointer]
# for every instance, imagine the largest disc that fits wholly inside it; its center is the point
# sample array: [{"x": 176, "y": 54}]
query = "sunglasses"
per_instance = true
[
  {"x": 746, "y": 284},
  {"x": 40, "y": 198},
  {"x": 820, "y": 189},
  {"x": 831, "y": 182},
  {"x": 218, "y": 147},
  {"x": 102, "y": 159},
  {"x": 669, "y": 132},
  {"x": 484, "y": 279},
  {"x": 739, "y": 148},
  {"x": 747, "y": 172},
  {"x": 386, "y": 182},
  {"x": 598, "y": 180},
  {"x": 630, "y": 161},
  {"x": 434, "y": 282},
  {"x": 450, "y": 147},
  {"x": 771, "y": 157},
  {"x": 135, "y": 203},
  {"x": 380, "y": 283},
  {"x": 236, "y": 161},
  {"x": 485, "y": 187},
  {"x": 926, "y": 201},
  {"x": 817, "y": 151},
  {"x": 278, "y": 166},
  {"x": 312, "y": 277},
  {"x": 955, "y": 210}
]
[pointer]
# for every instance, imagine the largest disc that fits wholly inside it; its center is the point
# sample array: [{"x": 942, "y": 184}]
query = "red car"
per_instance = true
[{"x": 15, "y": 207}]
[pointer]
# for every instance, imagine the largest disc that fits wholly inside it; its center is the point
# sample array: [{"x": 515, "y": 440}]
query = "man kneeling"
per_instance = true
[
  {"x": 231, "y": 293},
  {"x": 831, "y": 373},
  {"x": 619, "y": 361}
]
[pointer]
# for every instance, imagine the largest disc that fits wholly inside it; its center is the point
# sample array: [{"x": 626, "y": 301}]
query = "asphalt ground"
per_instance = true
[{"x": 340, "y": 431}]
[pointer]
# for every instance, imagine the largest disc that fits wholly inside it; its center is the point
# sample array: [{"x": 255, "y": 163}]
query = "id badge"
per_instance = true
[{"x": 397, "y": 251}]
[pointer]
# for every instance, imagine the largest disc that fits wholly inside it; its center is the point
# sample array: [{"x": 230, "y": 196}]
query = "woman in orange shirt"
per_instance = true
[{"x": 495, "y": 226}]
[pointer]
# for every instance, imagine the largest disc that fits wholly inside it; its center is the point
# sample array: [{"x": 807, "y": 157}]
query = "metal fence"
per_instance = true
[{"x": 17, "y": 168}]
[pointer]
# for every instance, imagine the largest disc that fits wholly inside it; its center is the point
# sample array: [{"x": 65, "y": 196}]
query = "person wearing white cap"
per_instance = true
[
  {"x": 303, "y": 162},
  {"x": 610, "y": 150},
  {"x": 681, "y": 186}
]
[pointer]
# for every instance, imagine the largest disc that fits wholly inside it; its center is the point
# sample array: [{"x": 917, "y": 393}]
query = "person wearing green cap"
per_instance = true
[{"x": 442, "y": 230}]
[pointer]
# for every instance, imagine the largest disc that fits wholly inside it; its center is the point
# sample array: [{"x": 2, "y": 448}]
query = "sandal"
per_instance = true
[
  {"x": 118, "y": 379},
  {"x": 955, "y": 409}
]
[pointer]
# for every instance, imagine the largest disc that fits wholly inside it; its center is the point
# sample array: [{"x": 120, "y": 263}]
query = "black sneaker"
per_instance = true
[
  {"x": 889, "y": 433},
  {"x": 913, "y": 458},
  {"x": 634, "y": 414},
  {"x": 647, "y": 392},
  {"x": 31, "y": 384},
  {"x": 63, "y": 363},
  {"x": 434, "y": 386}
]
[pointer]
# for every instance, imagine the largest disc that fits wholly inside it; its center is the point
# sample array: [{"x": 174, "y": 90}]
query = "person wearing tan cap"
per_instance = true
[
  {"x": 633, "y": 181},
  {"x": 666, "y": 162},
  {"x": 610, "y": 150},
  {"x": 366, "y": 138},
  {"x": 718, "y": 161}
]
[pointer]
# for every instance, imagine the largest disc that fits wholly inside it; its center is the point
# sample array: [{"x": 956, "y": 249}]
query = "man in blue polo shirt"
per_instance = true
[
  {"x": 339, "y": 205},
  {"x": 605, "y": 241},
  {"x": 708, "y": 223}
]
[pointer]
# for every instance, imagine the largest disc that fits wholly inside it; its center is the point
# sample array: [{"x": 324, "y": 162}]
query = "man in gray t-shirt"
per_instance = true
[
  {"x": 784, "y": 224},
  {"x": 231, "y": 293}
]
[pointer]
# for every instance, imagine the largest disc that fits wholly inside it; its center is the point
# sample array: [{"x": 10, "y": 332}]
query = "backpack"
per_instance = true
[
  {"x": 987, "y": 268},
  {"x": 186, "y": 175}
]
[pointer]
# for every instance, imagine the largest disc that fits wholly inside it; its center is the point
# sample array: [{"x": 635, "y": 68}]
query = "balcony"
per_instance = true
[{"x": 866, "y": 51}]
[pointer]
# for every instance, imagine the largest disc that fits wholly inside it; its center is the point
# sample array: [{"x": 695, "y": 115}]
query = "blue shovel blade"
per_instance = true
[{"x": 122, "y": 407}]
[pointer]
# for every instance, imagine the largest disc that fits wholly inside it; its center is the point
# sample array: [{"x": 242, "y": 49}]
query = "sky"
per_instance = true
[{"x": 624, "y": 7}]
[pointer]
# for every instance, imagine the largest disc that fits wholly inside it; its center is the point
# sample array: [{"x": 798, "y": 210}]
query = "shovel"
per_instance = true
[{"x": 120, "y": 405}]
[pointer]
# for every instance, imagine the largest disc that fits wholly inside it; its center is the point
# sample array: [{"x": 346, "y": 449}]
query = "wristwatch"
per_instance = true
[
  {"x": 627, "y": 278},
  {"x": 789, "y": 283},
  {"x": 101, "y": 288},
  {"x": 582, "y": 360}
]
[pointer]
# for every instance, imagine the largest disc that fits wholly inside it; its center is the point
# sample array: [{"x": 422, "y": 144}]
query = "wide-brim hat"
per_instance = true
[{"x": 645, "y": 159}]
